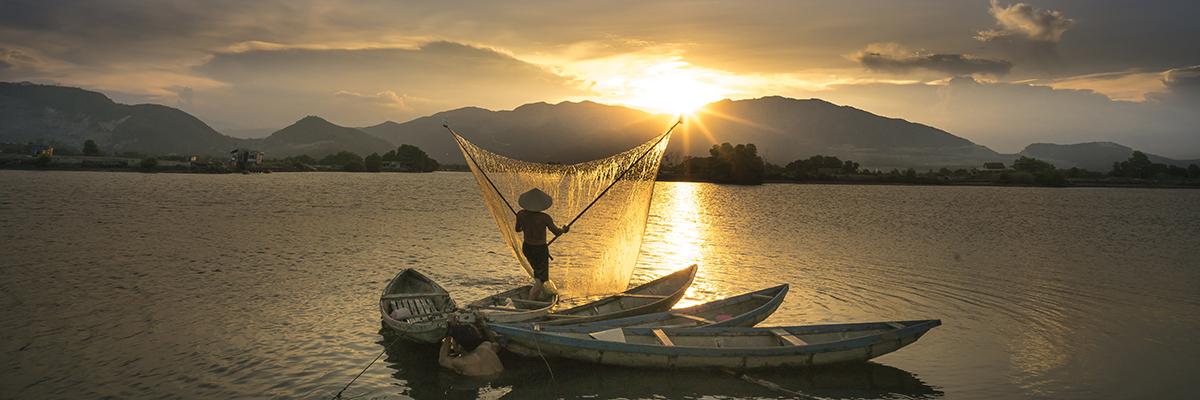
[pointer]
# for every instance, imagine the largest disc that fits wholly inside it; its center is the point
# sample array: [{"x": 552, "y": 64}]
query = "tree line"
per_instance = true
[{"x": 740, "y": 164}]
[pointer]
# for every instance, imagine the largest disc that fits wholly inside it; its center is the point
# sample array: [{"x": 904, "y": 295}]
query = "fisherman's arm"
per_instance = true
[
  {"x": 444, "y": 355},
  {"x": 554, "y": 228}
]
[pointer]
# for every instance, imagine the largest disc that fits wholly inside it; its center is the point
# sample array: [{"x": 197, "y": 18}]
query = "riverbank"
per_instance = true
[{"x": 186, "y": 169}]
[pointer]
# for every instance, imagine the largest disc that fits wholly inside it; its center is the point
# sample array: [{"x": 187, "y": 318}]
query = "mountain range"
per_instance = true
[{"x": 783, "y": 129}]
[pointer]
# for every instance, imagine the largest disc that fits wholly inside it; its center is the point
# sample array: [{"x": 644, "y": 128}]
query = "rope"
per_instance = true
[
  {"x": 339, "y": 393},
  {"x": 538, "y": 343},
  {"x": 618, "y": 179},
  {"x": 459, "y": 139}
]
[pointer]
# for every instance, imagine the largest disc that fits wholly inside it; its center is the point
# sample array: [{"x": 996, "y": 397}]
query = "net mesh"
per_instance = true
[{"x": 598, "y": 255}]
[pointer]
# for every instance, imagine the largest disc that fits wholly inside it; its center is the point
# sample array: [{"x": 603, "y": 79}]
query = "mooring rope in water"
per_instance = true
[
  {"x": 767, "y": 384},
  {"x": 339, "y": 393},
  {"x": 537, "y": 342}
]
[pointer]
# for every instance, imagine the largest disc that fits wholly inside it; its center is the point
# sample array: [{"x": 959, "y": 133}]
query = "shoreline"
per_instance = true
[{"x": 1073, "y": 184}]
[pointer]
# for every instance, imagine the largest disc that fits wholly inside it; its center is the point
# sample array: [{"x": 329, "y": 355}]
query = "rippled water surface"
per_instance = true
[{"x": 130, "y": 285}]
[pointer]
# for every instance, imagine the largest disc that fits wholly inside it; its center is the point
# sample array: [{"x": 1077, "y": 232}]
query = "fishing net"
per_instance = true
[{"x": 597, "y": 256}]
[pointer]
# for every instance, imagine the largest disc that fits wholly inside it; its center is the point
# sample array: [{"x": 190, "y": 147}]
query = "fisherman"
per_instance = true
[
  {"x": 476, "y": 356},
  {"x": 534, "y": 223}
]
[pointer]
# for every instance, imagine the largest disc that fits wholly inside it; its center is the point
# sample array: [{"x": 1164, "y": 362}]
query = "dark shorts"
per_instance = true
[{"x": 539, "y": 258}]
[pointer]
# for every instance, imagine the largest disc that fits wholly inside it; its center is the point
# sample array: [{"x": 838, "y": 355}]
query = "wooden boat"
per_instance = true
[
  {"x": 746, "y": 309},
  {"x": 732, "y": 348},
  {"x": 657, "y": 295},
  {"x": 512, "y": 306},
  {"x": 414, "y": 307}
]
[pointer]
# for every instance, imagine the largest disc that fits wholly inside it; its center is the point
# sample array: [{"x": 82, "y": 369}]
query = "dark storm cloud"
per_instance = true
[
  {"x": 1028, "y": 22},
  {"x": 895, "y": 59}
]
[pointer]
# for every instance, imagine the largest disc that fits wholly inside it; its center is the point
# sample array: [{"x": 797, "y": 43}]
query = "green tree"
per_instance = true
[
  {"x": 412, "y": 158},
  {"x": 354, "y": 166},
  {"x": 373, "y": 162},
  {"x": 341, "y": 158},
  {"x": 42, "y": 160},
  {"x": 149, "y": 163},
  {"x": 90, "y": 148},
  {"x": 1193, "y": 171},
  {"x": 1032, "y": 165}
]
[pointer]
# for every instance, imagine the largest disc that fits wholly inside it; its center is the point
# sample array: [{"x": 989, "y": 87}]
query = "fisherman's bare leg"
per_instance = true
[{"x": 536, "y": 291}]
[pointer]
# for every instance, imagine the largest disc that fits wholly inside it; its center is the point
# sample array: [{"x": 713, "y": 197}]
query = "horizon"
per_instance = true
[{"x": 1001, "y": 74}]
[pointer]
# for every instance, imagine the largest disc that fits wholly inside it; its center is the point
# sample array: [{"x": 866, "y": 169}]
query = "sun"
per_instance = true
[
  {"x": 670, "y": 88},
  {"x": 666, "y": 86}
]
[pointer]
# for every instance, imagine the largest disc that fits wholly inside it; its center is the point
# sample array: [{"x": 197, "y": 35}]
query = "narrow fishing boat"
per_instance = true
[
  {"x": 512, "y": 306},
  {"x": 657, "y": 295},
  {"x": 746, "y": 309},
  {"x": 414, "y": 306},
  {"x": 733, "y": 348}
]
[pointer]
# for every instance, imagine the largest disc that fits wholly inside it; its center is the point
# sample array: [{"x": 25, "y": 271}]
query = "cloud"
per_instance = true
[
  {"x": 386, "y": 98},
  {"x": 12, "y": 58},
  {"x": 891, "y": 57},
  {"x": 272, "y": 85},
  {"x": 1028, "y": 22}
]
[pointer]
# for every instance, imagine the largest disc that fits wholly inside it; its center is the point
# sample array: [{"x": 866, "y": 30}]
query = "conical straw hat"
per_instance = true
[{"x": 535, "y": 200}]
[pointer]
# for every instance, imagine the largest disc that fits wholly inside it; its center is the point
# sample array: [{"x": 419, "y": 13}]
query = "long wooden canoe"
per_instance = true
[
  {"x": 414, "y": 306},
  {"x": 732, "y": 348},
  {"x": 512, "y": 306},
  {"x": 746, "y": 309},
  {"x": 657, "y": 295}
]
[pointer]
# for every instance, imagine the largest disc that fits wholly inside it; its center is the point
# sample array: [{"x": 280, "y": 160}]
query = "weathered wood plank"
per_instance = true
[
  {"x": 662, "y": 337},
  {"x": 694, "y": 318},
  {"x": 788, "y": 337},
  {"x": 410, "y": 295},
  {"x": 641, "y": 296}
]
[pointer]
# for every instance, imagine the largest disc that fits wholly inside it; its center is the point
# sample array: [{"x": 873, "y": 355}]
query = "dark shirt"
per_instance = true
[{"x": 534, "y": 224}]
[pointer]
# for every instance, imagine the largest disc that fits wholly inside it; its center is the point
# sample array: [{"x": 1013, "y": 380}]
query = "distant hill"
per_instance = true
[
  {"x": 786, "y": 129},
  {"x": 566, "y": 132},
  {"x": 69, "y": 116},
  {"x": 783, "y": 129},
  {"x": 1094, "y": 156},
  {"x": 317, "y": 137}
]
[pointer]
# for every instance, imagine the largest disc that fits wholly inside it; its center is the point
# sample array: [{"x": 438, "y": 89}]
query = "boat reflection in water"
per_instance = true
[{"x": 528, "y": 378}]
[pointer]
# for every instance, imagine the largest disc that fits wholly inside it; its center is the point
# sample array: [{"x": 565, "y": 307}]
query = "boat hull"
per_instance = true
[
  {"x": 422, "y": 296},
  {"x": 530, "y": 343},
  {"x": 743, "y": 311},
  {"x": 674, "y": 286},
  {"x": 425, "y": 332}
]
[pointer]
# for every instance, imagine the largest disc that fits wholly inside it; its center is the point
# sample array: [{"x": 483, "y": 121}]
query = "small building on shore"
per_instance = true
[{"x": 993, "y": 167}]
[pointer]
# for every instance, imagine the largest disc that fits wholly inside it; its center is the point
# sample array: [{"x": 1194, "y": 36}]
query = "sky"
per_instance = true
[{"x": 1002, "y": 74}]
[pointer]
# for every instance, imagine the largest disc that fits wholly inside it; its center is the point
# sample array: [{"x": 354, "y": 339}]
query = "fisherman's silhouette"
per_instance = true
[{"x": 534, "y": 223}]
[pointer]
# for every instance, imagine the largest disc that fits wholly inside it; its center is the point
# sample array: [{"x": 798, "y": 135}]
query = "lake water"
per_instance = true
[{"x": 127, "y": 285}]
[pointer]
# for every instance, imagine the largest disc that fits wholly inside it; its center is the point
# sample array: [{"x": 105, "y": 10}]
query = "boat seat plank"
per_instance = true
[
  {"x": 662, "y": 337},
  {"x": 509, "y": 309},
  {"x": 641, "y": 296},
  {"x": 410, "y": 295},
  {"x": 694, "y": 318},
  {"x": 788, "y": 337},
  {"x": 531, "y": 302}
]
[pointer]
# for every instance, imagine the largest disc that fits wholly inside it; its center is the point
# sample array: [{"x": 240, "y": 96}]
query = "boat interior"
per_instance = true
[{"x": 513, "y": 300}]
